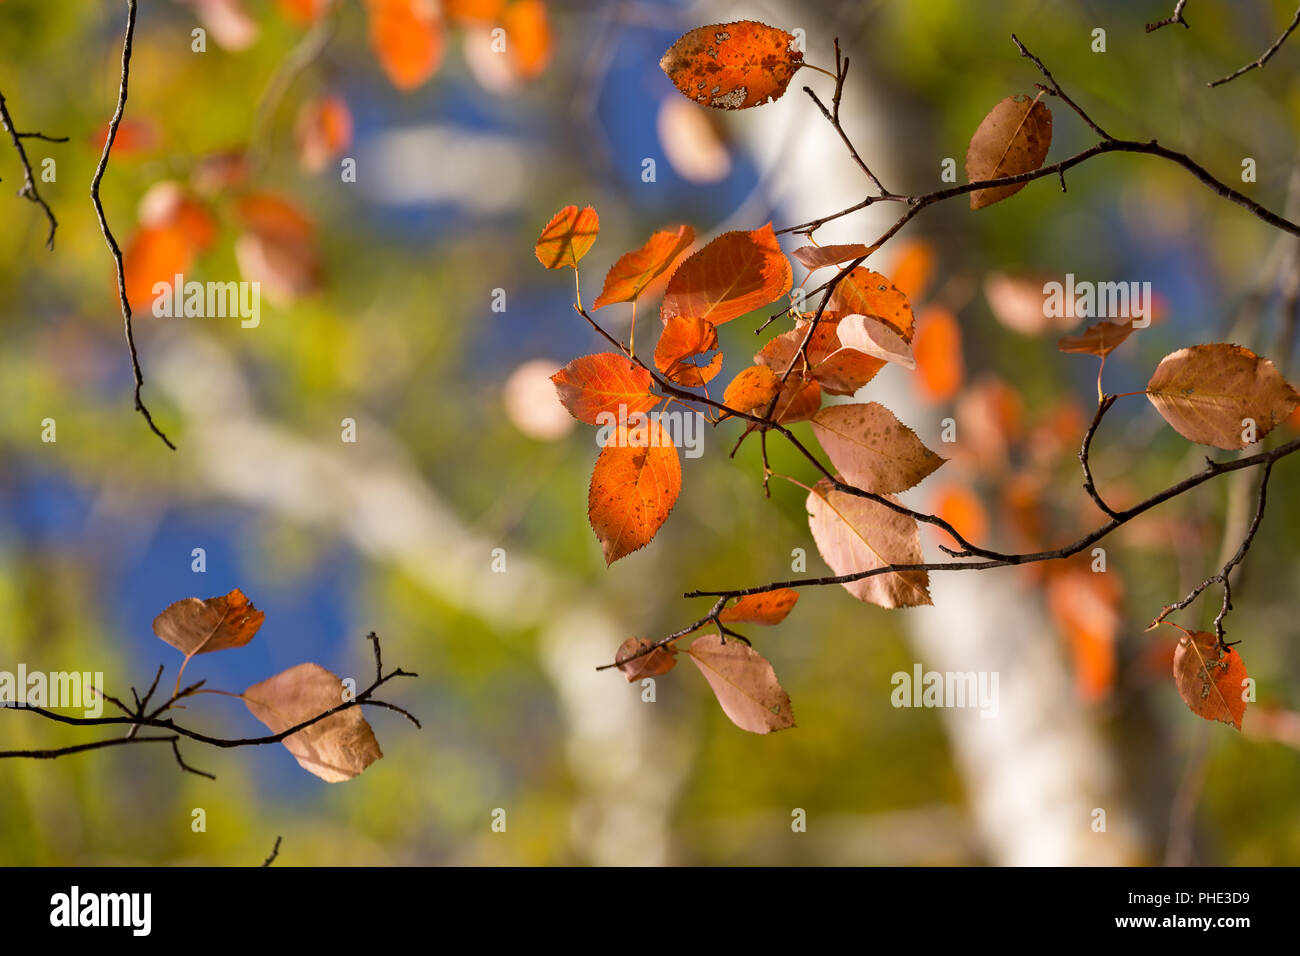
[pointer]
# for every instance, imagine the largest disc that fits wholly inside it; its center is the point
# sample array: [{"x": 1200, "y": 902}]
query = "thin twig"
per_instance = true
[
  {"x": 1277, "y": 45},
  {"x": 113, "y": 124},
  {"x": 1175, "y": 17},
  {"x": 275, "y": 851},
  {"x": 29, "y": 190}
]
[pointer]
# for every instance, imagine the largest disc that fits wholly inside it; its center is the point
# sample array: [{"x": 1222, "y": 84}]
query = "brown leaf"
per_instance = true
[
  {"x": 753, "y": 388},
  {"x": 1207, "y": 391},
  {"x": 1100, "y": 339},
  {"x": 635, "y": 270},
  {"x": 855, "y": 534},
  {"x": 873, "y": 449},
  {"x": 817, "y": 257},
  {"x": 1012, "y": 139},
  {"x": 606, "y": 383},
  {"x": 659, "y": 661},
  {"x": 770, "y": 607},
  {"x": 334, "y": 749},
  {"x": 744, "y": 683},
  {"x": 633, "y": 488},
  {"x": 863, "y": 292},
  {"x": 1210, "y": 679},
  {"x": 733, "y": 66},
  {"x": 194, "y": 626},
  {"x": 736, "y": 273},
  {"x": 567, "y": 237}
]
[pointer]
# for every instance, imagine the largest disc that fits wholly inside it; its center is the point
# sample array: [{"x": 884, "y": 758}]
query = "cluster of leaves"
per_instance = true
[
  {"x": 336, "y": 748},
  {"x": 1218, "y": 394}
]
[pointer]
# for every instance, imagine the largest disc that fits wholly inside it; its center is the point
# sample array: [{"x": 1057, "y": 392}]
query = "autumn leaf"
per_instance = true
[
  {"x": 1019, "y": 302},
  {"x": 817, "y": 257},
  {"x": 407, "y": 37},
  {"x": 633, "y": 488},
  {"x": 1100, "y": 339},
  {"x": 277, "y": 247},
  {"x": 839, "y": 370},
  {"x": 1012, "y": 139},
  {"x": 769, "y": 607},
  {"x": 685, "y": 337},
  {"x": 937, "y": 347},
  {"x": 336, "y": 748},
  {"x": 528, "y": 36},
  {"x": 961, "y": 508},
  {"x": 797, "y": 402},
  {"x": 733, "y": 66},
  {"x": 1085, "y": 607},
  {"x": 873, "y": 449},
  {"x": 731, "y": 276},
  {"x": 635, "y": 270},
  {"x": 323, "y": 130},
  {"x": 659, "y": 661},
  {"x": 753, "y": 388},
  {"x": 870, "y": 336},
  {"x": 912, "y": 267},
  {"x": 567, "y": 237},
  {"x": 606, "y": 383},
  {"x": 154, "y": 254},
  {"x": 195, "y": 626},
  {"x": 744, "y": 683},
  {"x": 863, "y": 292},
  {"x": 1210, "y": 679},
  {"x": 855, "y": 534},
  {"x": 1207, "y": 393}
]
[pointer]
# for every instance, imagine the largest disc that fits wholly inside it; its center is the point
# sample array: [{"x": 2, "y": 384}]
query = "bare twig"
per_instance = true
[
  {"x": 1264, "y": 58},
  {"x": 113, "y": 124},
  {"x": 29, "y": 190},
  {"x": 1088, "y": 485},
  {"x": 275, "y": 851},
  {"x": 1175, "y": 17}
]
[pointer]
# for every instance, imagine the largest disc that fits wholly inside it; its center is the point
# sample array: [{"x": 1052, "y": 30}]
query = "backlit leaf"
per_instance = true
[
  {"x": 770, "y": 607},
  {"x": 567, "y": 237},
  {"x": 752, "y": 389},
  {"x": 817, "y": 257},
  {"x": 195, "y": 626},
  {"x": 733, "y": 65},
  {"x": 633, "y": 488},
  {"x": 635, "y": 270},
  {"x": 732, "y": 275},
  {"x": 605, "y": 383},
  {"x": 407, "y": 37},
  {"x": 863, "y": 292},
  {"x": 659, "y": 661}
]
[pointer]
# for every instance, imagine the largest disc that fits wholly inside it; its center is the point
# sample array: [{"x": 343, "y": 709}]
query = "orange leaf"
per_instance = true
[
  {"x": 567, "y": 237},
  {"x": 913, "y": 266},
  {"x": 797, "y": 402},
  {"x": 744, "y": 683},
  {"x": 659, "y": 661},
  {"x": 732, "y": 275},
  {"x": 633, "y": 488},
  {"x": 770, "y": 607},
  {"x": 528, "y": 35},
  {"x": 864, "y": 292},
  {"x": 1085, "y": 607},
  {"x": 937, "y": 348},
  {"x": 841, "y": 371},
  {"x": 753, "y": 388},
  {"x": 1210, "y": 679},
  {"x": 961, "y": 508},
  {"x": 193, "y": 626},
  {"x": 133, "y": 136},
  {"x": 635, "y": 270},
  {"x": 154, "y": 254},
  {"x": 323, "y": 130},
  {"x": 733, "y": 66},
  {"x": 406, "y": 35},
  {"x": 606, "y": 383}
]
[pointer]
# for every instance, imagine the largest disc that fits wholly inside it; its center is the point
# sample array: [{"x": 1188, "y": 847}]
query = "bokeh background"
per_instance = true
[{"x": 378, "y": 306}]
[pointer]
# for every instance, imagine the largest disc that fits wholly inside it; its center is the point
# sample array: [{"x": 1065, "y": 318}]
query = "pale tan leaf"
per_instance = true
[
  {"x": 744, "y": 683},
  {"x": 334, "y": 749},
  {"x": 1012, "y": 139},
  {"x": 869, "y": 335},
  {"x": 855, "y": 534}
]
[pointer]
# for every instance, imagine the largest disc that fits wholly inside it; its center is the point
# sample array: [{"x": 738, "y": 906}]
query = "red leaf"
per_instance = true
[
  {"x": 604, "y": 384},
  {"x": 733, "y": 66}
]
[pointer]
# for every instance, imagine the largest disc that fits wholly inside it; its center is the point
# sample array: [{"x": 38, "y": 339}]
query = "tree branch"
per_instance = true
[
  {"x": 113, "y": 124},
  {"x": 1264, "y": 58}
]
